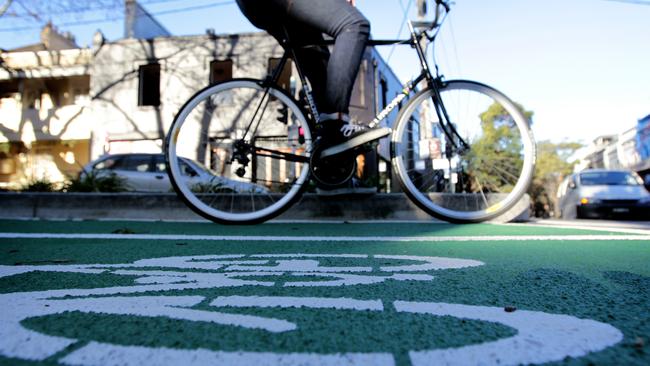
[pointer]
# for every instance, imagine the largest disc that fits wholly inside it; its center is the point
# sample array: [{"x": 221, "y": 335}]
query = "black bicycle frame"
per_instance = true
[{"x": 433, "y": 83}]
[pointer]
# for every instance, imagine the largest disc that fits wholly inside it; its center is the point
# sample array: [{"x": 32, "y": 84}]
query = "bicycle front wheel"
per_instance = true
[
  {"x": 470, "y": 168},
  {"x": 238, "y": 152}
]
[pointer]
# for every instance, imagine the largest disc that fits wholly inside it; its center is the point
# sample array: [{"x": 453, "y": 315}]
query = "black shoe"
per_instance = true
[{"x": 340, "y": 136}]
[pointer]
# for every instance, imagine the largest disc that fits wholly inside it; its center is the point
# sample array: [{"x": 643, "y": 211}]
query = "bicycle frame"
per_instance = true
[
  {"x": 433, "y": 83},
  {"x": 265, "y": 154}
]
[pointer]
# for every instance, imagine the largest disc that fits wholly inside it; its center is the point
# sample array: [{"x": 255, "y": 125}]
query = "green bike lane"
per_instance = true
[{"x": 322, "y": 293}]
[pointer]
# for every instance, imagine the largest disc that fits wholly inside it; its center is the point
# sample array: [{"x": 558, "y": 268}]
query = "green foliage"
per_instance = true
[
  {"x": 552, "y": 167},
  {"x": 39, "y": 185},
  {"x": 500, "y": 141},
  {"x": 94, "y": 182},
  {"x": 211, "y": 188}
]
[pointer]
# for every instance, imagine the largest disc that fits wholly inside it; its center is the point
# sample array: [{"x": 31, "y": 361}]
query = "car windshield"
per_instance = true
[
  {"x": 609, "y": 179},
  {"x": 196, "y": 165}
]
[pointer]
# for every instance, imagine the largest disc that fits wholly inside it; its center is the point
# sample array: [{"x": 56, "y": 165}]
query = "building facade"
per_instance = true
[
  {"x": 44, "y": 109},
  {"x": 628, "y": 150},
  {"x": 63, "y": 106}
]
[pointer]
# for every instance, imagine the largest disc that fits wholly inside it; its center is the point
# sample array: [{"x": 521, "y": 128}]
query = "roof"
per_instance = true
[
  {"x": 51, "y": 40},
  {"x": 645, "y": 119}
]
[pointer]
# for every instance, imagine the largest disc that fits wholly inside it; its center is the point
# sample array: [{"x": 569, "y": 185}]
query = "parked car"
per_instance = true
[
  {"x": 599, "y": 193},
  {"x": 147, "y": 173}
]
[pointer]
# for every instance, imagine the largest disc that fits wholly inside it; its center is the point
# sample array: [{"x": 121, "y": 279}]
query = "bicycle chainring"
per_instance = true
[{"x": 332, "y": 171}]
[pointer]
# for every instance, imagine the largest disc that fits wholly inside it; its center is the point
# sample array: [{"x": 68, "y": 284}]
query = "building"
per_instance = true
[
  {"x": 62, "y": 106},
  {"x": 44, "y": 109},
  {"x": 628, "y": 150},
  {"x": 642, "y": 142}
]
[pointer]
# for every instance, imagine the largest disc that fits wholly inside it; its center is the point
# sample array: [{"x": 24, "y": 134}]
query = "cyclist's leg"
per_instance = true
[
  {"x": 306, "y": 20},
  {"x": 350, "y": 30},
  {"x": 313, "y": 59},
  {"x": 272, "y": 16}
]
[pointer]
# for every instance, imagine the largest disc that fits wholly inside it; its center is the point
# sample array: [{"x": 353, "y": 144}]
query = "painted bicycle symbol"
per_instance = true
[{"x": 539, "y": 337}]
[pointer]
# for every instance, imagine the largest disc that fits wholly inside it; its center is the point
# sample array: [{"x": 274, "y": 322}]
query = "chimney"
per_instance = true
[{"x": 53, "y": 40}]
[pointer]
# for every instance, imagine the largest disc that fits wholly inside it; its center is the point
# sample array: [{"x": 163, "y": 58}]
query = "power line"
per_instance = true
[
  {"x": 87, "y": 8},
  {"x": 405, "y": 10},
  {"x": 109, "y": 20},
  {"x": 635, "y": 2}
]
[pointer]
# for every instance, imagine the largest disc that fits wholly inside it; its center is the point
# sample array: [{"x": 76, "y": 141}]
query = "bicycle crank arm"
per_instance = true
[
  {"x": 372, "y": 135},
  {"x": 281, "y": 155}
]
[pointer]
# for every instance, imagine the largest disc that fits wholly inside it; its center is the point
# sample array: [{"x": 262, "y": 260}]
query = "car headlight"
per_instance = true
[{"x": 589, "y": 201}]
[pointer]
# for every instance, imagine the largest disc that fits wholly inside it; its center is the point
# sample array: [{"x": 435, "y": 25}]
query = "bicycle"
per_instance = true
[{"x": 462, "y": 151}]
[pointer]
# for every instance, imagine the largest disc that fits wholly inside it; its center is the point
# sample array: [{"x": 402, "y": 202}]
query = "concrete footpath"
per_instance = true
[{"x": 167, "y": 206}]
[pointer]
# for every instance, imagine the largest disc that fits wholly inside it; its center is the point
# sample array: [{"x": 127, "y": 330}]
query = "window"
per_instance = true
[
  {"x": 284, "y": 81},
  {"x": 149, "y": 88},
  {"x": 9, "y": 88},
  {"x": 159, "y": 164},
  {"x": 610, "y": 179},
  {"x": 109, "y": 163},
  {"x": 383, "y": 87},
  {"x": 187, "y": 171},
  {"x": 220, "y": 70},
  {"x": 137, "y": 163}
]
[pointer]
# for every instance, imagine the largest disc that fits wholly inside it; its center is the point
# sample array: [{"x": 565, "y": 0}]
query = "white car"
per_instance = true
[
  {"x": 599, "y": 193},
  {"x": 147, "y": 173}
]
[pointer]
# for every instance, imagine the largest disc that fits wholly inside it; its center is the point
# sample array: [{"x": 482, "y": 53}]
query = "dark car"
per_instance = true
[{"x": 599, "y": 193}]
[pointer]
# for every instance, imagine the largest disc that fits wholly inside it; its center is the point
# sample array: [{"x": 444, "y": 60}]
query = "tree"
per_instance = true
[
  {"x": 552, "y": 166},
  {"x": 500, "y": 142}
]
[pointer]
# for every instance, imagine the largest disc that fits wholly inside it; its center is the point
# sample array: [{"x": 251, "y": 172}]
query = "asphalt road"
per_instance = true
[
  {"x": 604, "y": 224},
  {"x": 297, "y": 293}
]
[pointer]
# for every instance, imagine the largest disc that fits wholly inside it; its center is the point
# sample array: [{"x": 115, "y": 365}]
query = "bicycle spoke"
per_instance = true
[
  {"x": 240, "y": 135},
  {"x": 453, "y": 184}
]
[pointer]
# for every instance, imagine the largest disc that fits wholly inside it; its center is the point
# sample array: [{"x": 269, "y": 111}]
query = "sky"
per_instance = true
[{"x": 581, "y": 66}]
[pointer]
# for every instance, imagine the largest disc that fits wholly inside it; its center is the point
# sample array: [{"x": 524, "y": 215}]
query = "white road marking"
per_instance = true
[
  {"x": 612, "y": 227},
  {"x": 339, "y": 303},
  {"x": 594, "y": 237},
  {"x": 113, "y": 355},
  {"x": 172, "y": 307},
  {"x": 541, "y": 337}
]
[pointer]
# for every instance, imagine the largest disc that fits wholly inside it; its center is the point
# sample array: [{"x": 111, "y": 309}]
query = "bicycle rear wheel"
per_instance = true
[
  {"x": 473, "y": 185},
  {"x": 238, "y": 152}
]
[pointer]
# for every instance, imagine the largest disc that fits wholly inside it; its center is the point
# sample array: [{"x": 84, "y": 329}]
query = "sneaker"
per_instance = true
[{"x": 341, "y": 136}]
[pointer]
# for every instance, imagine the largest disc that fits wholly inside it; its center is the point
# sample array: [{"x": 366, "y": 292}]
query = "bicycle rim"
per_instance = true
[
  {"x": 471, "y": 186},
  {"x": 238, "y": 152}
]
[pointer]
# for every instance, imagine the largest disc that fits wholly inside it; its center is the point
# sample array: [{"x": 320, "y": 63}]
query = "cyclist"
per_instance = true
[{"x": 332, "y": 75}]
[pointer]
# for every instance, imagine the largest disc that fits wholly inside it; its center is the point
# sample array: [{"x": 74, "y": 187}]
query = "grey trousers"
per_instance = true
[{"x": 332, "y": 75}]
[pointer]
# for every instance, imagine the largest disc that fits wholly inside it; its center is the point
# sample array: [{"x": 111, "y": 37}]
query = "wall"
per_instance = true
[
  {"x": 44, "y": 116},
  {"x": 92, "y": 95},
  {"x": 627, "y": 150},
  {"x": 184, "y": 69}
]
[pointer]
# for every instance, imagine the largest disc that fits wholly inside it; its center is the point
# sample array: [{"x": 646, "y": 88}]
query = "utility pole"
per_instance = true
[{"x": 422, "y": 9}]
